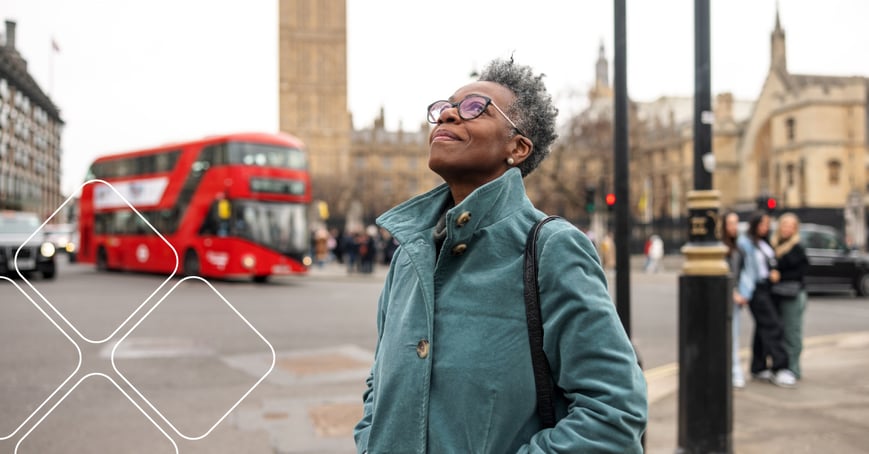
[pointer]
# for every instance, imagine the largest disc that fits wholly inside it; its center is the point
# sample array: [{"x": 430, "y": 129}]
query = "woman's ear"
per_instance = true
[{"x": 521, "y": 148}]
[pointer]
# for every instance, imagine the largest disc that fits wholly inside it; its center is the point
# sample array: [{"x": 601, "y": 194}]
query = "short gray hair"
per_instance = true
[{"x": 533, "y": 110}]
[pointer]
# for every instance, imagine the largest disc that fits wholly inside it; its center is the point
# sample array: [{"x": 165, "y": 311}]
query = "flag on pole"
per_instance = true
[{"x": 54, "y": 45}]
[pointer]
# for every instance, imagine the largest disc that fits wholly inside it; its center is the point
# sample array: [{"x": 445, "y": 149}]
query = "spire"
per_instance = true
[
  {"x": 778, "y": 55},
  {"x": 601, "y": 68},
  {"x": 601, "y": 87},
  {"x": 777, "y": 21}
]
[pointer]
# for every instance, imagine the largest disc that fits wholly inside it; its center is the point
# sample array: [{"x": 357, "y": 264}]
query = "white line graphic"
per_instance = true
[
  {"x": 95, "y": 374},
  {"x": 61, "y": 385},
  {"x": 121, "y": 340},
  {"x": 175, "y": 270},
  {"x": 110, "y": 336}
]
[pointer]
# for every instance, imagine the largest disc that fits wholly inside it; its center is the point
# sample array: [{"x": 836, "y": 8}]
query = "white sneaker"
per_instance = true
[
  {"x": 764, "y": 375},
  {"x": 785, "y": 378},
  {"x": 738, "y": 382}
]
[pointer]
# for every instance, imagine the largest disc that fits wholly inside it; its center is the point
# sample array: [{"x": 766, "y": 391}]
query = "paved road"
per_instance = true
[{"x": 201, "y": 348}]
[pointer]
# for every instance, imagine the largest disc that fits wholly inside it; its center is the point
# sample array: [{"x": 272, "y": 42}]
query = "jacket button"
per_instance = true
[
  {"x": 463, "y": 218},
  {"x": 459, "y": 249},
  {"x": 422, "y": 349}
]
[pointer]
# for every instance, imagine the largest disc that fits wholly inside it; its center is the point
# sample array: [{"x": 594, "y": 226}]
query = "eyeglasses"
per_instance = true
[{"x": 471, "y": 107}]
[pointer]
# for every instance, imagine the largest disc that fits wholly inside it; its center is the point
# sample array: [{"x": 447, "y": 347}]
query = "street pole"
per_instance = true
[
  {"x": 620, "y": 174},
  {"x": 705, "y": 390}
]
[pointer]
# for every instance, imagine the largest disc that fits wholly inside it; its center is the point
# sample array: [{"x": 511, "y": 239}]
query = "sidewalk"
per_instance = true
[{"x": 827, "y": 413}]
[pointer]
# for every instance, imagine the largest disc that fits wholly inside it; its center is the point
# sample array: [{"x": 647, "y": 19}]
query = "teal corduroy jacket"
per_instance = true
[{"x": 452, "y": 371}]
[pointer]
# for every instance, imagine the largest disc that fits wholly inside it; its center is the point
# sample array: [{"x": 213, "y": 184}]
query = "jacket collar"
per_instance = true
[
  {"x": 484, "y": 206},
  {"x": 783, "y": 247}
]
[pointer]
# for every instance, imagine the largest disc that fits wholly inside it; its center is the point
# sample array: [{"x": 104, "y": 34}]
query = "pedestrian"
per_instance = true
[
  {"x": 769, "y": 360},
  {"x": 734, "y": 263},
  {"x": 367, "y": 249},
  {"x": 655, "y": 253},
  {"x": 350, "y": 246},
  {"x": 789, "y": 294},
  {"x": 452, "y": 370},
  {"x": 608, "y": 251},
  {"x": 321, "y": 247}
]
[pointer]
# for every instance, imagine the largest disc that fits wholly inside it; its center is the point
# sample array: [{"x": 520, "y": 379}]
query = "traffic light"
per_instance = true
[
  {"x": 589, "y": 200},
  {"x": 610, "y": 201},
  {"x": 766, "y": 203}
]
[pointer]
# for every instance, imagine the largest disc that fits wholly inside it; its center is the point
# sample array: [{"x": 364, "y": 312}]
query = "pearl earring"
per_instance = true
[{"x": 510, "y": 161}]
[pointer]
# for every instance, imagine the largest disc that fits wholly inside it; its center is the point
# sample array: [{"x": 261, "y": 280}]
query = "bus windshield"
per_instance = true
[{"x": 278, "y": 226}]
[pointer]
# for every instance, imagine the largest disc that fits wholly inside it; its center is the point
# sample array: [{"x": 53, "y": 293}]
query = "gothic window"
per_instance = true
[
  {"x": 834, "y": 168},
  {"x": 791, "y": 126}
]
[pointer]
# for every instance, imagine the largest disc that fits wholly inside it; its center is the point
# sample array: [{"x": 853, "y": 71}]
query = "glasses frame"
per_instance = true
[{"x": 457, "y": 106}]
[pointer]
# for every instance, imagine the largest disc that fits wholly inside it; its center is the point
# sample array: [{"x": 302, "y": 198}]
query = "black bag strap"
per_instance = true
[{"x": 542, "y": 372}]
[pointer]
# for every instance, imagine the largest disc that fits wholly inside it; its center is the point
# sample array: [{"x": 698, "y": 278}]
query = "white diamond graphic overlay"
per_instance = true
[
  {"x": 118, "y": 328},
  {"x": 124, "y": 201},
  {"x": 4, "y": 280},
  {"x": 174, "y": 446},
  {"x": 153, "y": 407}
]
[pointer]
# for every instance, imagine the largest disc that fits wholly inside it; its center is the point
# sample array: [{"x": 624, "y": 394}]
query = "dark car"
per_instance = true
[
  {"x": 833, "y": 265},
  {"x": 16, "y": 236}
]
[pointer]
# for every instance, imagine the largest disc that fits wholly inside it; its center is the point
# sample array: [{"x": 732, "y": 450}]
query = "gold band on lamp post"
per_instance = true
[{"x": 704, "y": 253}]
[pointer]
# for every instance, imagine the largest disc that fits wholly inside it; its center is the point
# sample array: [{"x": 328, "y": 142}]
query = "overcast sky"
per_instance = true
[{"x": 132, "y": 74}]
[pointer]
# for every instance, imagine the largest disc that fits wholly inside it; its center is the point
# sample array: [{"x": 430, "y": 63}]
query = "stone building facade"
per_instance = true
[
  {"x": 312, "y": 54},
  {"x": 30, "y": 131},
  {"x": 388, "y": 167},
  {"x": 803, "y": 141},
  {"x": 806, "y": 144}
]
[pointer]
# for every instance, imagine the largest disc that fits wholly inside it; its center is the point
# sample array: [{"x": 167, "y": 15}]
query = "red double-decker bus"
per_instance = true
[{"x": 232, "y": 206}]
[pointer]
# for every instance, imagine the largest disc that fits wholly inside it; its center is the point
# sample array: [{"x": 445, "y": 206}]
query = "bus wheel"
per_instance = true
[
  {"x": 261, "y": 279},
  {"x": 191, "y": 263},
  {"x": 102, "y": 259}
]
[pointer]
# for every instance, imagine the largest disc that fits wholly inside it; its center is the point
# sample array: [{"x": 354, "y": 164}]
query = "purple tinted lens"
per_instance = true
[
  {"x": 436, "y": 109},
  {"x": 472, "y": 106}
]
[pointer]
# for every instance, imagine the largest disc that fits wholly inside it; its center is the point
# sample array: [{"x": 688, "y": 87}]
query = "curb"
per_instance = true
[{"x": 663, "y": 381}]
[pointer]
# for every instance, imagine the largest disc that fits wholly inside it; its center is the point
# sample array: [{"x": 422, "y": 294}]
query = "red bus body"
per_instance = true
[{"x": 232, "y": 206}]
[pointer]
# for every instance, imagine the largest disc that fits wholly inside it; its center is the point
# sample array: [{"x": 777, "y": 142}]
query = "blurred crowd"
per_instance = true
[{"x": 359, "y": 250}]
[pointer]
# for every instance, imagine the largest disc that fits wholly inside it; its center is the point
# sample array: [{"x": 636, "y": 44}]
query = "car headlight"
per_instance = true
[
  {"x": 248, "y": 261},
  {"x": 47, "y": 250},
  {"x": 70, "y": 247}
]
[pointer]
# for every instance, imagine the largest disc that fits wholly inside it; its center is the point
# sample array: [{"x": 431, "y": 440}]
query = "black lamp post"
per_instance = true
[{"x": 705, "y": 390}]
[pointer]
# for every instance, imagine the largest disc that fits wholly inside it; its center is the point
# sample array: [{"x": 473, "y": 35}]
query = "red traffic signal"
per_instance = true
[
  {"x": 610, "y": 200},
  {"x": 766, "y": 203}
]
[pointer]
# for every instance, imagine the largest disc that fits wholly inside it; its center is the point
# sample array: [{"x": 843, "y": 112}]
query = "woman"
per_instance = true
[
  {"x": 734, "y": 262},
  {"x": 758, "y": 273},
  {"x": 452, "y": 370},
  {"x": 792, "y": 263}
]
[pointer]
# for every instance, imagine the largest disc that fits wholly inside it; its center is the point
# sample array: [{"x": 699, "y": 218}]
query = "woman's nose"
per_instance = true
[{"x": 449, "y": 115}]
